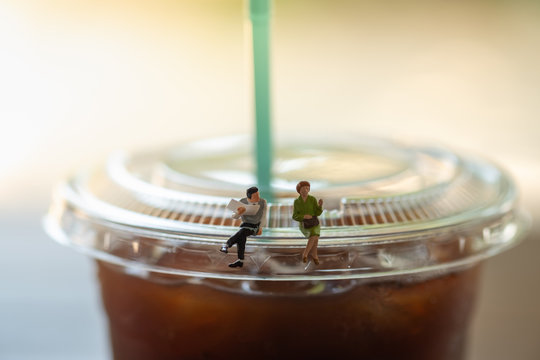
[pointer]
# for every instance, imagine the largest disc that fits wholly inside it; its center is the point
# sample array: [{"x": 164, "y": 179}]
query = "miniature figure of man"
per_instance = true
[{"x": 251, "y": 224}]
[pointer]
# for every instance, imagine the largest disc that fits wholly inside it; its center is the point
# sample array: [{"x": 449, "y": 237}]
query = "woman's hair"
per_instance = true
[{"x": 301, "y": 184}]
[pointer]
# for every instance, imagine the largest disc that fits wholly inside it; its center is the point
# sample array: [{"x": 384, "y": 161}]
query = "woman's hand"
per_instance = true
[
  {"x": 241, "y": 210},
  {"x": 307, "y": 216},
  {"x": 320, "y": 202}
]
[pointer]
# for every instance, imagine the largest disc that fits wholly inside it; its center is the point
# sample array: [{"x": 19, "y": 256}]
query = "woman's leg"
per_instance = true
[
  {"x": 308, "y": 248},
  {"x": 314, "y": 245}
]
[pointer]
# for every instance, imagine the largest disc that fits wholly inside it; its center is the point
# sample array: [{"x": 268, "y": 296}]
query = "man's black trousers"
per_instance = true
[{"x": 240, "y": 239}]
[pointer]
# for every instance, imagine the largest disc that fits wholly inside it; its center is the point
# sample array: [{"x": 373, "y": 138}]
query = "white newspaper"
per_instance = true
[{"x": 251, "y": 209}]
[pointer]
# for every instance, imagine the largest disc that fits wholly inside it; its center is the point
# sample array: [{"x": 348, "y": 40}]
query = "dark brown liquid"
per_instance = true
[{"x": 166, "y": 317}]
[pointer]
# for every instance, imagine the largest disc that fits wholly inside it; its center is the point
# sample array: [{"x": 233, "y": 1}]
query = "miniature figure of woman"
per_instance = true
[{"x": 305, "y": 211}]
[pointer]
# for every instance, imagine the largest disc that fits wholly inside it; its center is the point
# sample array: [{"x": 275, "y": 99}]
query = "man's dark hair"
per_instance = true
[{"x": 252, "y": 190}]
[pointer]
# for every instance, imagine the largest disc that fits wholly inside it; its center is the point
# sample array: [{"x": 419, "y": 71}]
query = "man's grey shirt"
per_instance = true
[{"x": 259, "y": 216}]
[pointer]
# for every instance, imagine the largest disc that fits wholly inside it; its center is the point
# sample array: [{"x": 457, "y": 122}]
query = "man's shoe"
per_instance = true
[
  {"x": 237, "y": 263},
  {"x": 224, "y": 249}
]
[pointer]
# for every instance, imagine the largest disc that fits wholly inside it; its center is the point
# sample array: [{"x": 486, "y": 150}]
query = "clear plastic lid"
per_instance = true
[{"x": 389, "y": 209}]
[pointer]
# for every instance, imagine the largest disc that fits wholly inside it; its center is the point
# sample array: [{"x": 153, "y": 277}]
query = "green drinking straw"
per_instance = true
[{"x": 259, "y": 14}]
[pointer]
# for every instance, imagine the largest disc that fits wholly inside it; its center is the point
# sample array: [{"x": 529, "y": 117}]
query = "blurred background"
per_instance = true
[{"x": 79, "y": 79}]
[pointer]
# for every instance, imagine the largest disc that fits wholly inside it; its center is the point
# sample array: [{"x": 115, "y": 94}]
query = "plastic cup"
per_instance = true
[{"x": 404, "y": 233}]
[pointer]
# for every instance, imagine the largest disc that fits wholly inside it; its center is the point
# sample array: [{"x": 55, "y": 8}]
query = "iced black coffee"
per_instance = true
[{"x": 403, "y": 235}]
